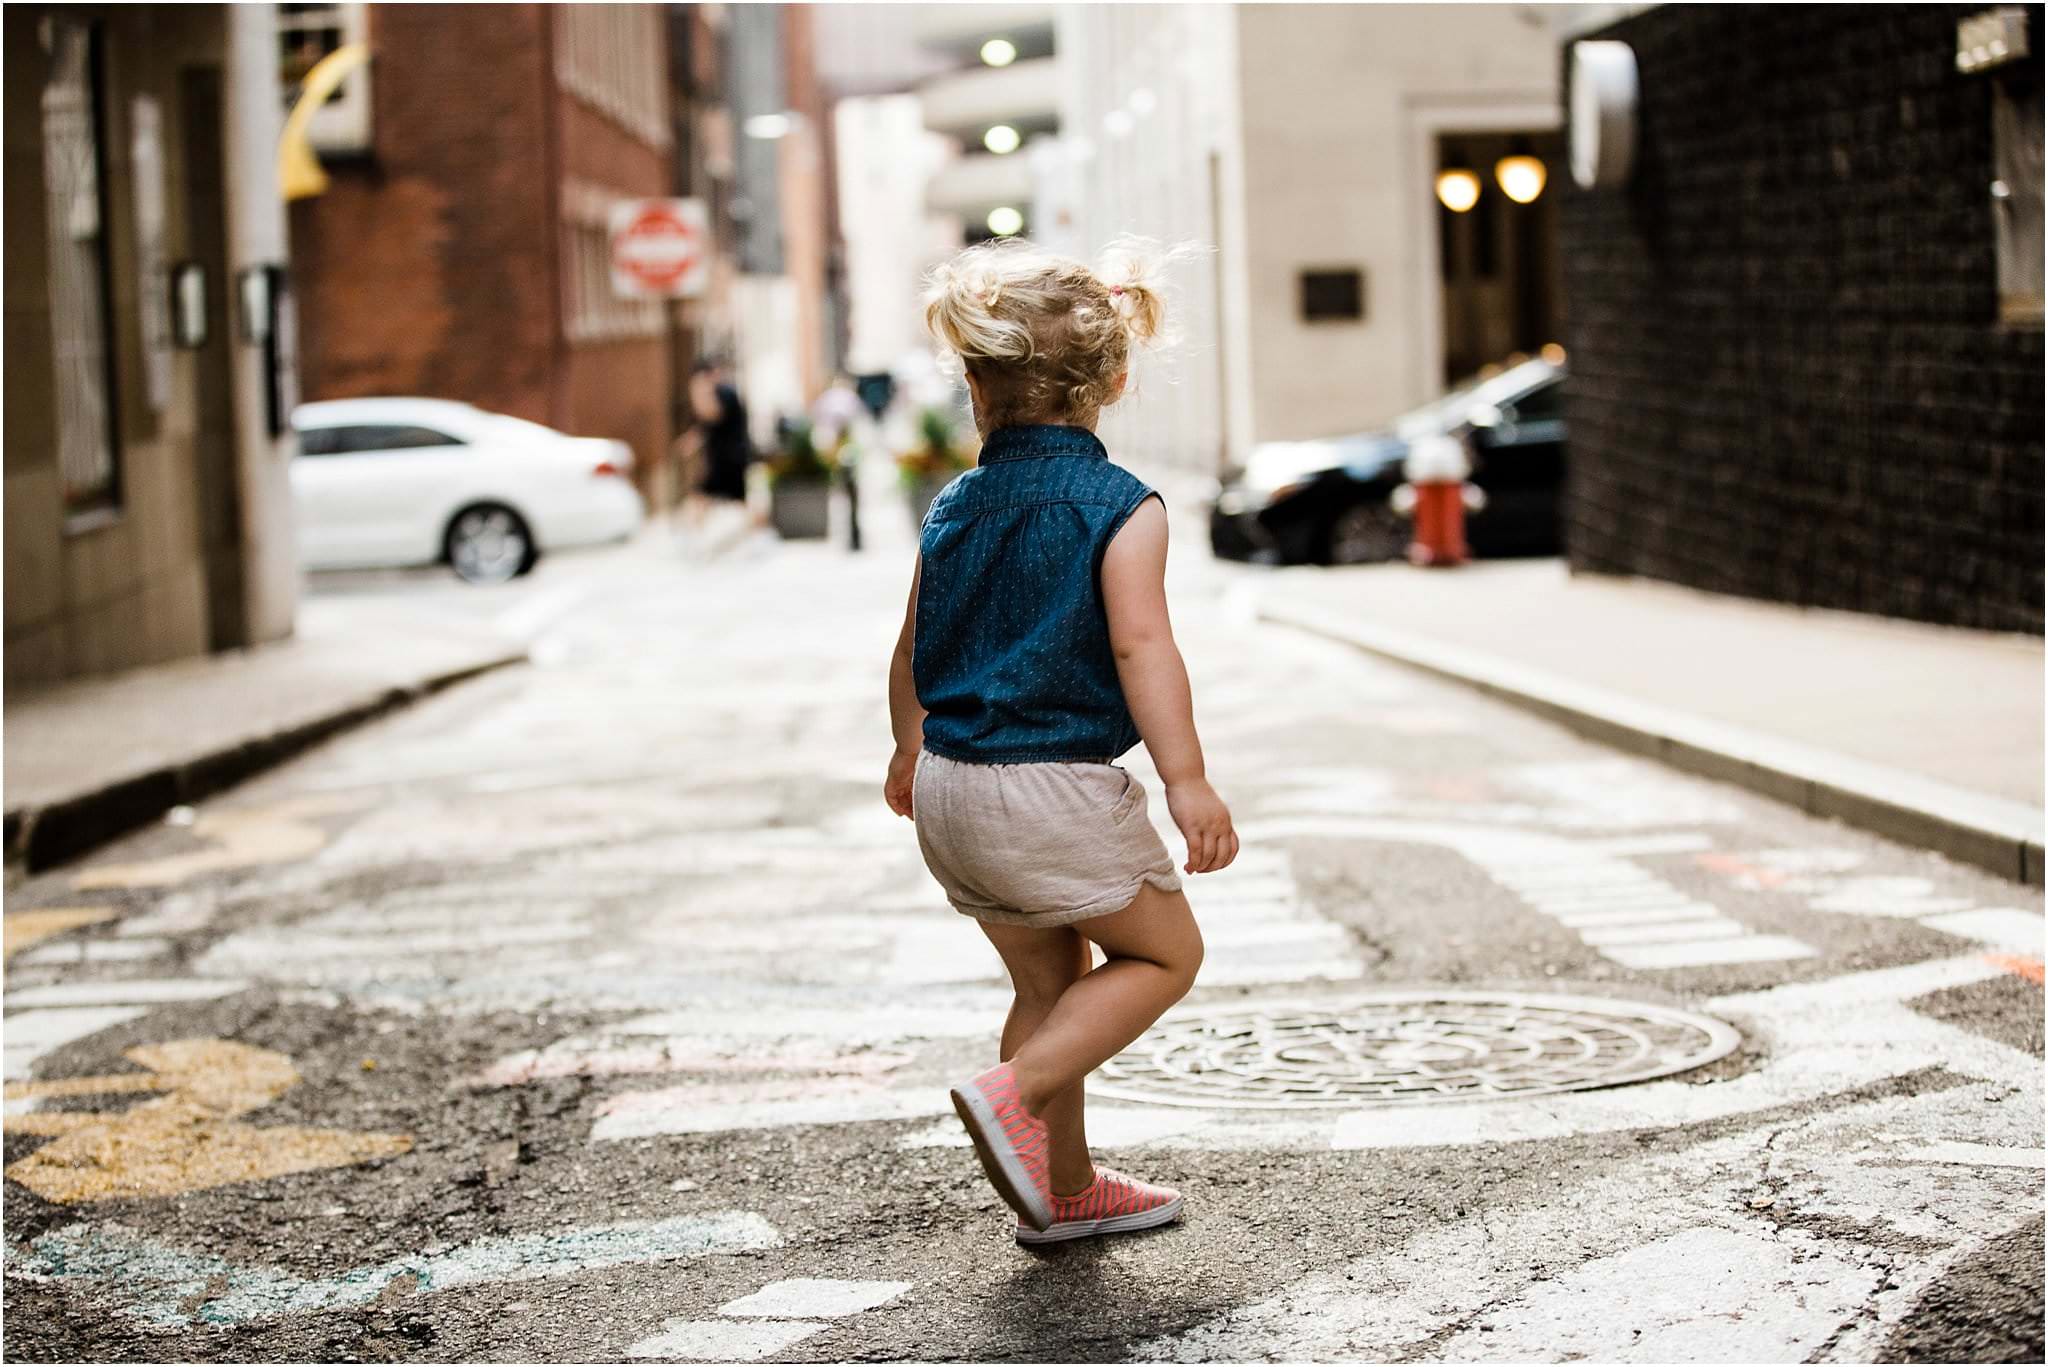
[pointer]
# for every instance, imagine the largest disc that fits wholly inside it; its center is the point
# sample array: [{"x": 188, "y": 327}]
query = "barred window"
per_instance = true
[
  {"x": 610, "y": 56},
  {"x": 83, "y": 364},
  {"x": 591, "y": 310}
]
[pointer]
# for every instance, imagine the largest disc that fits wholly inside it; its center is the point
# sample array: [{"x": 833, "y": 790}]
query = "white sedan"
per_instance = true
[{"x": 394, "y": 482}]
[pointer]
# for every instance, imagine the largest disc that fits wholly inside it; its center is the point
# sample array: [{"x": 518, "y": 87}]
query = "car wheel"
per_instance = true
[
  {"x": 1366, "y": 533},
  {"x": 489, "y": 544}
]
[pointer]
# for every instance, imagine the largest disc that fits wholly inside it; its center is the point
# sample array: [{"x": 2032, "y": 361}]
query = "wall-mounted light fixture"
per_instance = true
[
  {"x": 1520, "y": 177},
  {"x": 998, "y": 52},
  {"x": 190, "y": 326},
  {"x": 1001, "y": 139},
  {"x": 1005, "y": 221},
  {"x": 255, "y": 292},
  {"x": 1457, "y": 189},
  {"x": 1603, "y": 109}
]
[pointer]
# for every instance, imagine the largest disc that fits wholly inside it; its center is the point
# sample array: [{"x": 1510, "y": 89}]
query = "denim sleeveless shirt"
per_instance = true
[{"x": 1011, "y": 650}]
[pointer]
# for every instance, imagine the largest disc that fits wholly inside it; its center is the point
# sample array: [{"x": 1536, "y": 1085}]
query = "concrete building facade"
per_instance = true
[
  {"x": 1806, "y": 339},
  {"x": 462, "y": 248},
  {"x": 1299, "y": 144},
  {"x": 149, "y": 338}
]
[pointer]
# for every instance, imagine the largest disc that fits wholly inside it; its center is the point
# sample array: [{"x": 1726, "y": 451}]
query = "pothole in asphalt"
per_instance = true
[{"x": 1408, "y": 1048}]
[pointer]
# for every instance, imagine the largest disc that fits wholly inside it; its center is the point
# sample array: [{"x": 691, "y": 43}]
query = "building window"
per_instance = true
[
  {"x": 305, "y": 34},
  {"x": 609, "y": 56},
  {"x": 591, "y": 310},
  {"x": 75, "y": 200}
]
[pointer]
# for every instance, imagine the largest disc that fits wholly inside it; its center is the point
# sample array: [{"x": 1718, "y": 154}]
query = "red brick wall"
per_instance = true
[
  {"x": 616, "y": 388},
  {"x": 433, "y": 265},
  {"x": 429, "y": 267}
]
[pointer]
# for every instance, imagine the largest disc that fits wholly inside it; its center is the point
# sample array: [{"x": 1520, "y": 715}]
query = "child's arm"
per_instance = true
[
  {"x": 1155, "y": 682},
  {"x": 906, "y": 716}
]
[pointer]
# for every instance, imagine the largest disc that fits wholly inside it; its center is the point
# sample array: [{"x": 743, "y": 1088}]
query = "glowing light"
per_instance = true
[
  {"x": 1005, "y": 221},
  {"x": 1001, "y": 139},
  {"x": 998, "y": 52},
  {"x": 1458, "y": 190},
  {"x": 1553, "y": 353},
  {"x": 766, "y": 126},
  {"x": 1143, "y": 101},
  {"x": 1521, "y": 178},
  {"x": 1118, "y": 123}
]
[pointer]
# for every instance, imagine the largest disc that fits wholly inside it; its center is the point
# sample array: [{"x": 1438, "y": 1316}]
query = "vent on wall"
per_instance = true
[{"x": 1333, "y": 296}]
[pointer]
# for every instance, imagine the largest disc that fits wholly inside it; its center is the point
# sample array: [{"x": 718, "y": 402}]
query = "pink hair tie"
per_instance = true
[{"x": 1116, "y": 289}]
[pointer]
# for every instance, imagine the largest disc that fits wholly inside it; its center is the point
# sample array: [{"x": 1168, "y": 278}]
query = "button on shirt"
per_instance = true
[{"x": 1011, "y": 654}]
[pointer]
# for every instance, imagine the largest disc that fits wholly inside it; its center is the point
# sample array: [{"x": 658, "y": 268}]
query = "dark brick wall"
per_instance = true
[{"x": 1788, "y": 377}]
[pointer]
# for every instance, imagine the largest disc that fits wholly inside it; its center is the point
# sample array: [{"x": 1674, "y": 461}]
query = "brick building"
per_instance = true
[
  {"x": 461, "y": 250},
  {"x": 148, "y": 515},
  {"x": 1805, "y": 332}
]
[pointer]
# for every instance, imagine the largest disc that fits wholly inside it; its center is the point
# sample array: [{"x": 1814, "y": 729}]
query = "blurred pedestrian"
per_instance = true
[
  {"x": 834, "y": 414},
  {"x": 1035, "y": 651},
  {"x": 721, "y": 449}
]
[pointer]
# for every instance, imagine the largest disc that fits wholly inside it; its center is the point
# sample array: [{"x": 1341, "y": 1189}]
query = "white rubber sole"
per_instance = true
[
  {"x": 1115, "y": 1224},
  {"x": 998, "y": 1159}
]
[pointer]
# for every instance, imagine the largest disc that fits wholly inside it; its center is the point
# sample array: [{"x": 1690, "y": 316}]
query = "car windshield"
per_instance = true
[{"x": 1478, "y": 392}]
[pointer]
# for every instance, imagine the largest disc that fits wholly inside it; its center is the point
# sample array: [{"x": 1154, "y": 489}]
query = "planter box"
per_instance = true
[
  {"x": 919, "y": 494},
  {"x": 801, "y": 509}
]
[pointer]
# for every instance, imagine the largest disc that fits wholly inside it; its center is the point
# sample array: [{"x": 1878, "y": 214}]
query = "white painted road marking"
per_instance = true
[{"x": 688, "y": 1340}]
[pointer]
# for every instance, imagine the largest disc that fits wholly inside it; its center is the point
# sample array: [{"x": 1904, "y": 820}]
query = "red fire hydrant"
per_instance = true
[{"x": 1438, "y": 496}]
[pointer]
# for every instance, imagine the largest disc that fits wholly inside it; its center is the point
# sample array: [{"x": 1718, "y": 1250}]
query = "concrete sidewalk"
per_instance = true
[
  {"x": 1930, "y": 735},
  {"x": 89, "y": 760}
]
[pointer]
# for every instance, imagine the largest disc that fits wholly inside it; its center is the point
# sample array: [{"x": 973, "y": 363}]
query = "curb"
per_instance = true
[
  {"x": 1998, "y": 836},
  {"x": 37, "y": 838}
]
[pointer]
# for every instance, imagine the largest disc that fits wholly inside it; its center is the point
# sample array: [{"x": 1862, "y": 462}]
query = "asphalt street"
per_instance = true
[{"x": 599, "y": 1010}]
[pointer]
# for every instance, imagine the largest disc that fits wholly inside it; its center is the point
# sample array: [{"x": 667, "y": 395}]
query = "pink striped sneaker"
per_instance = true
[
  {"x": 1011, "y": 1142},
  {"x": 1114, "y": 1205}
]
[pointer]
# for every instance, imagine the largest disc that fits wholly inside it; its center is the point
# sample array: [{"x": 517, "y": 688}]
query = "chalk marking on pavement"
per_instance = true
[
  {"x": 814, "y": 1298},
  {"x": 25, "y": 928},
  {"x": 584, "y": 1056},
  {"x": 689, "y": 1340},
  {"x": 760, "y": 1106},
  {"x": 1974, "y": 1155},
  {"x": 1542, "y": 869},
  {"x": 32, "y": 1034},
  {"x": 2003, "y": 927},
  {"x": 171, "y": 1287},
  {"x": 187, "y": 1139},
  {"x": 2030, "y": 969},
  {"x": 242, "y": 838},
  {"x": 77, "y": 953},
  {"x": 130, "y": 991},
  {"x": 1391, "y": 1303},
  {"x": 780, "y": 1314}
]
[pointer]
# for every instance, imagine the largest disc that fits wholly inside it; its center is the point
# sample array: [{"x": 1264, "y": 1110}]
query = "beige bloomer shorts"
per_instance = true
[{"x": 1042, "y": 844}]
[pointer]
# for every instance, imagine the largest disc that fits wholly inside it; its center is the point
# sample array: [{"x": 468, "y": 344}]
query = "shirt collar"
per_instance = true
[{"x": 1031, "y": 441}]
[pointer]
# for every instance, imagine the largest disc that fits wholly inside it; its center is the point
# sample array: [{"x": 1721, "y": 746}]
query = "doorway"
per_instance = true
[
  {"x": 220, "y": 492},
  {"x": 1496, "y": 222}
]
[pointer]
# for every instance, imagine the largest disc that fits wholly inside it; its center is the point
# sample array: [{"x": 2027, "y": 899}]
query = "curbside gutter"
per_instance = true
[
  {"x": 2002, "y": 837},
  {"x": 42, "y": 836}
]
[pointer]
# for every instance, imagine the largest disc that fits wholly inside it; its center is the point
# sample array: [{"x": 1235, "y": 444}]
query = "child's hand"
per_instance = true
[
  {"x": 1205, "y": 824},
  {"x": 896, "y": 787}
]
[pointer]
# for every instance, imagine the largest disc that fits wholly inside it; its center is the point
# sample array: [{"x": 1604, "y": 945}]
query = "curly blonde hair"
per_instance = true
[{"x": 1046, "y": 338}]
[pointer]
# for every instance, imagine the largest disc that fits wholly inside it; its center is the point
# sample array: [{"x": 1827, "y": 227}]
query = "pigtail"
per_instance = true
[{"x": 961, "y": 296}]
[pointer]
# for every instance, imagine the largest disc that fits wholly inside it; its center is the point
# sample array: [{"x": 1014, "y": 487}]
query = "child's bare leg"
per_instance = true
[
  {"x": 1154, "y": 950},
  {"x": 1043, "y": 964}
]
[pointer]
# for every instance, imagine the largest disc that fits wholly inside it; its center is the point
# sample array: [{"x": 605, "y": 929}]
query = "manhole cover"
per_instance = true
[{"x": 1401, "y": 1048}]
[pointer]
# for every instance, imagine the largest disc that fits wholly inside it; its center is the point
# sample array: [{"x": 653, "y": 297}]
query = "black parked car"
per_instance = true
[{"x": 1331, "y": 501}]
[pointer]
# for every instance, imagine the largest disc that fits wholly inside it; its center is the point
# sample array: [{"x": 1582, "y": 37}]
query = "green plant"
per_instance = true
[
  {"x": 799, "y": 458},
  {"x": 939, "y": 454}
]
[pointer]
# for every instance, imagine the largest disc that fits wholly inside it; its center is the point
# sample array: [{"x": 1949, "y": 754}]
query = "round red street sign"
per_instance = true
[{"x": 657, "y": 248}]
